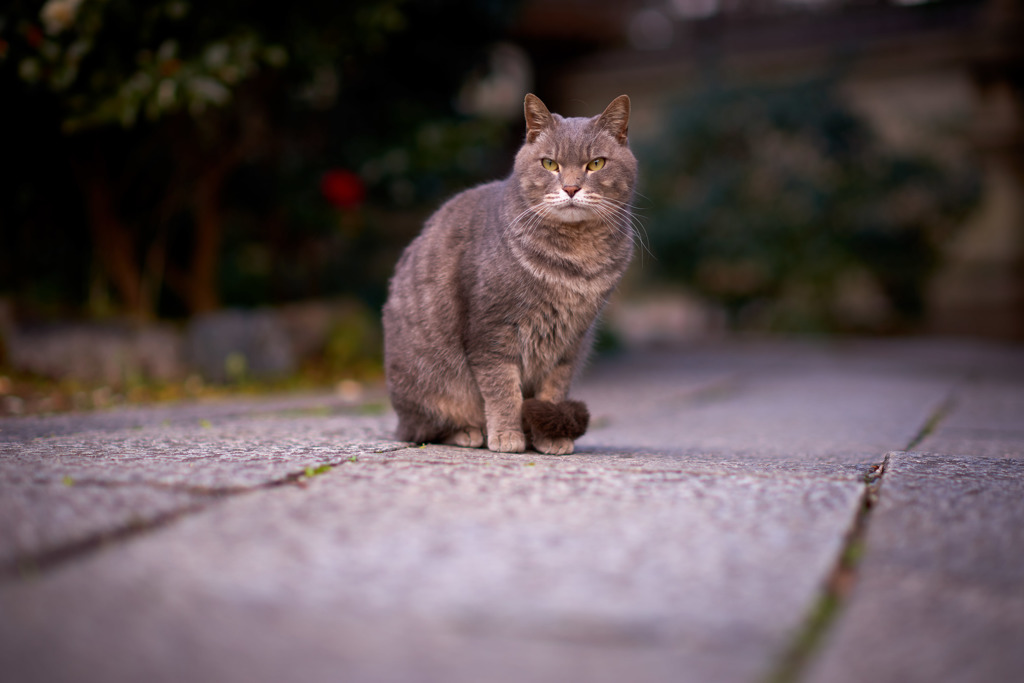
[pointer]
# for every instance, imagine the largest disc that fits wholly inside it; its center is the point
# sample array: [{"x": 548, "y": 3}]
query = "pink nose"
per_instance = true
[{"x": 571, "y": 189}]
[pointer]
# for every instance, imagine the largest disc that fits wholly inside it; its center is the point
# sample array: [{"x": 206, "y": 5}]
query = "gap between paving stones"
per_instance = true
[
  {"x": 825, "y": 612},
  {"x": 35, "y": 564},
  {"x": 941, "y": 412}
]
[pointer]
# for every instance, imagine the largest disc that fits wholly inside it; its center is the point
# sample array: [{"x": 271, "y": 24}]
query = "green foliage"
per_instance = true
[
  {"x": 434, "y": 158},
  {"x": 354, "y": 343},
  {"x": 768, "y": 197},
  {"x": 117, "y": 61},
  {"x": 187, "y": 143}
]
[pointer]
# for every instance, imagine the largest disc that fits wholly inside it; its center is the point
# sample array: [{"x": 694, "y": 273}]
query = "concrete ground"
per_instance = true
[{"x": 839, "y": 512}]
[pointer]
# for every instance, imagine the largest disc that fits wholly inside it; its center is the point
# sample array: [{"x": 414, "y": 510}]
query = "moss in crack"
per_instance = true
[
  {"x": 826, "y": 610},
  {"x": 311, "y": 471},
  {"x": 933, "y": 421}
]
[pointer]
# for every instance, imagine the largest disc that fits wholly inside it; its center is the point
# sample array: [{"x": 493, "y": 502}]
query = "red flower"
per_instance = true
[
  {"x": 170, "y": 67},
  {"x": 343, "y": 188},
  {"x": 33, "y": 36}
]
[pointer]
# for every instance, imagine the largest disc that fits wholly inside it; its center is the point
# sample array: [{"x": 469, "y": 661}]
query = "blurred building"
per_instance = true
[{"x": 943, "y": 76}]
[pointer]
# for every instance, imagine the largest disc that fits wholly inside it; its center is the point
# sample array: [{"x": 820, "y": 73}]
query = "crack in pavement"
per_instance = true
[
  {"x": 942, "y": 410},
  {"x": 34, "y": 564},
  {"x": 825, "y": 612},
  {"x": 838, "y": 586}
]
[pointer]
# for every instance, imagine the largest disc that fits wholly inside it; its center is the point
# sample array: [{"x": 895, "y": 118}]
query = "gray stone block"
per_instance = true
[
  {"x": 941, "y": 593},
  {"x": 985, "y": 419},
  {"x": 811, "y": 411},
  {"x": 391, "y": 570},
  {"x": 77, "y": 488},
  {"x": 109, "y": 353},
  {"x": 235, "y": 344},
  {"x": 66, "y": 516}
]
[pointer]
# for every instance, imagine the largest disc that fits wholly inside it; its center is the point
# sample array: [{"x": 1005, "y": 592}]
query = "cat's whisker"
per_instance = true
[
  {"x": 633, "y": 215},
  {"x": 634, "y": 239},
  {"x": 641, "y": 234},
  {"x": 622, "y": 209},
  {"x": 527, "y": 211},
  {"x": 625, "y": 205},
  {"x": 532, "y": 215},
  {"x": 610, "y": 217},
  {"x": 639, "y": 228},
  {"x": 642, "y": 196},
  {"x": 543, "y": 212},
  {"x": 616, "y": 217}
]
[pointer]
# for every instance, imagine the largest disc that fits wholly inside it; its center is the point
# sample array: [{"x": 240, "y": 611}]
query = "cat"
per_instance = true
[{"x": 492, "y": 308}]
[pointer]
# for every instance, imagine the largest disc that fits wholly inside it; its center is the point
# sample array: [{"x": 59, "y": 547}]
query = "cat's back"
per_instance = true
[
  {"x": 470, "y": 220},
  {"x": 429, "y": 276},
  {"x": 468, "y": 216}
]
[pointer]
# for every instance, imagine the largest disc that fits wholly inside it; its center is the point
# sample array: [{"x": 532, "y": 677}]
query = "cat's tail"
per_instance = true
[{"x": 547, "y": 420}]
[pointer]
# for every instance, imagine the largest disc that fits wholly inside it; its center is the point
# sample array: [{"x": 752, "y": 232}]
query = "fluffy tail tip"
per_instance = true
[{"x": 562, "y": 420}]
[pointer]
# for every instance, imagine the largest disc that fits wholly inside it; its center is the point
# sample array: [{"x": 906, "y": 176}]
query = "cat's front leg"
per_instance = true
[
  {"x": 554, "y": 389},
  {"x": 501, "y": 387},
  {"x": 555, "y": 386}
]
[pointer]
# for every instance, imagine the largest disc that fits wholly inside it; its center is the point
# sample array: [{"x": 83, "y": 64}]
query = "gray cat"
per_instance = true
[{"x": 492, "y": 307}]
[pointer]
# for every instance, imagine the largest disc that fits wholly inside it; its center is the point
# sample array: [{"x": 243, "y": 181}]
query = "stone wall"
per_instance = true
[{"x": 222, "y": 346}]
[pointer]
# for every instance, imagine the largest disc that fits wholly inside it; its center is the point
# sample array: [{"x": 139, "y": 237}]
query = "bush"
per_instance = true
[{"x": 767, "y": 199}]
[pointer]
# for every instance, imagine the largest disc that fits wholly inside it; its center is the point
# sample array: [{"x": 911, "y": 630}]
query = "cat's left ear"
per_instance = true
[{"x": 615, "y": 118}]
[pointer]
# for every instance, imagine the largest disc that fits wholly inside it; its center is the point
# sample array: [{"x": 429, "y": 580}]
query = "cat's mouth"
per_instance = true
[
  {"x": 579, "y": 204},
  {"x": 573, "y": 210},
  {"x": 577, "y": 208}
]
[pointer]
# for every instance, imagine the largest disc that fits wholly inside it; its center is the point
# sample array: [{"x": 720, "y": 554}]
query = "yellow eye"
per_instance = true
[
  {"x": 549, "y": 164},
  {"x": 596, "y": 165}
]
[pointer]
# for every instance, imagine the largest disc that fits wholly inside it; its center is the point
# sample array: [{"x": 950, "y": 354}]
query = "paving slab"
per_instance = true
[
  {"x": 43, "y": 518},
  {"x": 208, "y": 454},
  {"x": 86, "y": 485},
  {"x": 941, "y": 590},
  {"x": 813, "y": 403},
  {"x": 816, "y": 416},
  {"x": 20, "y": 429},
  {"x": 986, "y": 419},
  {"x": 595, "y": 574}
]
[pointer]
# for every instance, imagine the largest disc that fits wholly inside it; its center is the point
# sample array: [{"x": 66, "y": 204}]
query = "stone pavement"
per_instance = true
[{"x": 747, "y": 511}]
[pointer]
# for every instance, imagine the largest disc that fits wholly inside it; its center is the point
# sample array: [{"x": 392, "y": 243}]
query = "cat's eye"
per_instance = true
[
  {"x": 549, "y": 164},
  {"x": 596, "y": 165}
]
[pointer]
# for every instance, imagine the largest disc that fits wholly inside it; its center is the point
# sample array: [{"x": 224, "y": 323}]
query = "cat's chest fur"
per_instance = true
[
  {"x": 537, "y": 311},
  {"x": 551, "y": 330}
]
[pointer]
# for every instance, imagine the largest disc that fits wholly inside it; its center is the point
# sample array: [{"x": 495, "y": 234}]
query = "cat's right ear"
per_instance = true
[
  {"x": 538, "y": 118},
  {"x": 615, "y": 118}
]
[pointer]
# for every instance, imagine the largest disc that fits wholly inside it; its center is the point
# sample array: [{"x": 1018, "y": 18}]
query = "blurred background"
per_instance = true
[{"x": 211, "y": 194}]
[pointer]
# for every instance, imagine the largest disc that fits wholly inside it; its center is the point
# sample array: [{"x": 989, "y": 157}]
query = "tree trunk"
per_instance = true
[
  {"x": 202, "y": 295},
  {"x": 114, "y": 243}
]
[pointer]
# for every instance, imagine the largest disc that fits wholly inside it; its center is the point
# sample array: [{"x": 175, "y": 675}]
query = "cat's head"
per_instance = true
[{"x": 576, "y": 169}]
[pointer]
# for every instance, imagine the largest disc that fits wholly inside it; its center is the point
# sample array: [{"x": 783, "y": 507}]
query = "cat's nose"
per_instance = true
[{"x": 571, "y": 189}]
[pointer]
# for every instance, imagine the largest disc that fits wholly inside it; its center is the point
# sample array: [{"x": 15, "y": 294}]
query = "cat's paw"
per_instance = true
[
  {"x": 554, "y": 446},
  {"x": 471, "y": 437},
  {"x": 507, "y": 442}
]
